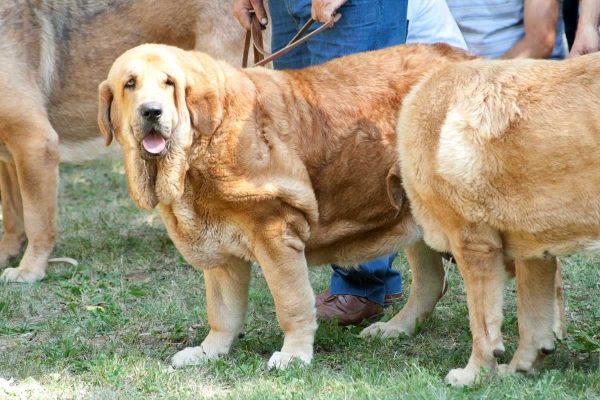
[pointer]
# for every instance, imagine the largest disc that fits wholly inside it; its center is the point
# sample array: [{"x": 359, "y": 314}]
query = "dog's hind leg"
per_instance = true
[
  {"x": 227, "y": 301},
  {"x": 34, "y": 147},
  {"x": 536, "y": 310},
  {"x": 12, "y": 214},
  {"x": 478, "y": 252},
  {"x": 426, "y": 289}
]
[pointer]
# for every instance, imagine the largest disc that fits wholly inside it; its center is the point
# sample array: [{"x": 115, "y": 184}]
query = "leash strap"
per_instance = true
[{"x": 261, "y": 57}]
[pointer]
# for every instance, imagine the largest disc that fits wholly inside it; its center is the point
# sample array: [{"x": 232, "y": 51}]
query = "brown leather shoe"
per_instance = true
[
  {"x": 388, "y": 301},
  {"x": 320, "y": 298},
  {"x": 348, "y": 309}
]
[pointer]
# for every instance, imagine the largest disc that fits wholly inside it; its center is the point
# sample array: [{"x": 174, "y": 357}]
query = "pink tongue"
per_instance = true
[{"x": 154, "y": 143}]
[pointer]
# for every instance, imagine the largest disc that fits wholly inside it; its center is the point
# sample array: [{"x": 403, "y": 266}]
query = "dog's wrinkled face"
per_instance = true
[
  {"x": 156, "y": 98},
  {"x": 148, "y": 97},
  {"x": 144, "y": 113}
]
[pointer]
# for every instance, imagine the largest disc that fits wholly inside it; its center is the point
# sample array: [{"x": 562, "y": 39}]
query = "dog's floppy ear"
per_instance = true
[
  {"x": 105, "y": 97},
  {"x": 395, "y": 190},
  {"x": 204, "y": 105}
]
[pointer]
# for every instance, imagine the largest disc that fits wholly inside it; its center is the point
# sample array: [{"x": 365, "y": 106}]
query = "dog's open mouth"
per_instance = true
[{"x": 154, "y": 143}]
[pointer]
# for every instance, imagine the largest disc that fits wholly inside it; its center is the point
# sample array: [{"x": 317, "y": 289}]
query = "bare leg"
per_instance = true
[
  {"x": 427, "y": 288},
  {"x": 12, "y": 214},
  {"x": 227, "y": 302}
]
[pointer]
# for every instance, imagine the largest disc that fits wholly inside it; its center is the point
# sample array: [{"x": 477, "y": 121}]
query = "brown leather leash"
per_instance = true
[{"x": 262, "y": 57}]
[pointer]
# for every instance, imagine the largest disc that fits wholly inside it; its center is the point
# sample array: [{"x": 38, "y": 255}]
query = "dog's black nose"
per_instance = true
[{"x": 151, "y": 111}]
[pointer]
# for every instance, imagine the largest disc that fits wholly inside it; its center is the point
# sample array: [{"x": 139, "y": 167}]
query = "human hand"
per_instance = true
[
  {"x": 586, "y": 41},
  {"x": 322, "y": 10},
  {"x": 242, "y": 8}
]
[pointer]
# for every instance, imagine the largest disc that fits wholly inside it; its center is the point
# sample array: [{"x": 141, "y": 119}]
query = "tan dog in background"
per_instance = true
[
  {"x": 286, "y": 168},
  {"x": 53, "y": 55},
  {"x": 501, "y": 159}
]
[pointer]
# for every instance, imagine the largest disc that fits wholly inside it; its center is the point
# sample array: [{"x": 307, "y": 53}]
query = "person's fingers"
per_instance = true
[
  {"x": 575, "y": 52},
  {"x": 324, "y": 10},
  {"x": 586, "y": 41},
  {"x": 259, "y": 9},
  {"x": 322, "y": 15},
  {"x": 241, "y": 11},
  {"x": 581, "y": 48}
]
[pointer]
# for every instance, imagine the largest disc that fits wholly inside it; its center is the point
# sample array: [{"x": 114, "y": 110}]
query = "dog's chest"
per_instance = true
[{"x": 205, "y": 238}]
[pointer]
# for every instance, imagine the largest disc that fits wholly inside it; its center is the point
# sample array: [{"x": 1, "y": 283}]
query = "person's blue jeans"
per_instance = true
[{"x": 365, "y": 25}]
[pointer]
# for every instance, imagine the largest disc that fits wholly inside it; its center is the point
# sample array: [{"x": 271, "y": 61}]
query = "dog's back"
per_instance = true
[
  {"x": 510, "y": 144},
  {"x": 342, "y": 122}
]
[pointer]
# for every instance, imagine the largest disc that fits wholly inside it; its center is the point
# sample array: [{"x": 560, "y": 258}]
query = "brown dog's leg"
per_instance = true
[
  {"x": 536, "y": 309},
  {"x": 12, "y": 214},
  {"x": 481, "y": 263},
  {"x": 35, "y": 151},
  {"x": 426, "y": 289},
  {"x": 227, "y": 302}
]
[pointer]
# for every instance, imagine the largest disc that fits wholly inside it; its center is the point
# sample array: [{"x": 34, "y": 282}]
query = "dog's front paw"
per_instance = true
[
  {"x": 462, "y": 377},
  {"x": 21, "y": 276},
  {"x": 281, "y": 360},
  {"x": 384, "y": 330},
  {"x": 192, "y": 356}
]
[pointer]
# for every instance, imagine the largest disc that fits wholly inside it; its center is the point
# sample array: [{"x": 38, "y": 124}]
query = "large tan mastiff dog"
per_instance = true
[
  {"x": 501, "y": 159},
  {"x": 285, "y": 168},
  {"x": 53, "y": 55}
]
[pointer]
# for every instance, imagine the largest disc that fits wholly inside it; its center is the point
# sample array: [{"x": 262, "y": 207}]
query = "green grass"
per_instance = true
[{"x": 107, "y": 329}]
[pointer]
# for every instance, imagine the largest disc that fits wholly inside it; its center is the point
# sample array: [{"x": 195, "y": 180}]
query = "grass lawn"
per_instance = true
[{"x": 107, "y": 329}]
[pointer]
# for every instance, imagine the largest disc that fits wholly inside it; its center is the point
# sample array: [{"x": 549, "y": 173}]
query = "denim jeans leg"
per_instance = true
[
  {"x": 365, "y": 25},
  {"x": 374, "y": 280},
  {"x": 284, "y": 25},
  {"x": 393, "y": 279}
]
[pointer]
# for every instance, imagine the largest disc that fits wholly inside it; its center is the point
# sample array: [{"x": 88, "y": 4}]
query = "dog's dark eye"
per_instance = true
[
  {"x": 130, "y": 83},
  {"x": 169, "y": 83}
]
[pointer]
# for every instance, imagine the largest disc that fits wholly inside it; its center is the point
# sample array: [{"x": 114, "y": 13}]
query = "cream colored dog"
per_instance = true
[
  {"x": 286, "y": 168},
  {"x": 501, "y": 159},
  {"x": 53, "y": 55}
]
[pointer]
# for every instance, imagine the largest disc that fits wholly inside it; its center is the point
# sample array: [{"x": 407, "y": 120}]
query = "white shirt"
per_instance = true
[
  {"x": 492, "y": 27},
  {"x": 430, "y": 21}
]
